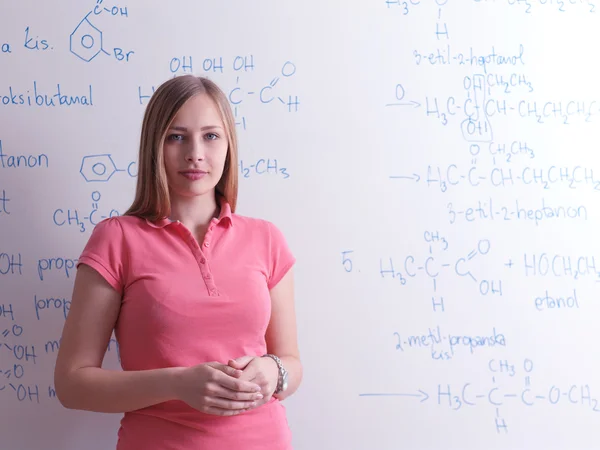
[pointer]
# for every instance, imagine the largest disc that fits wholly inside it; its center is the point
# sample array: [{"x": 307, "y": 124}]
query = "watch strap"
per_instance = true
[{"x": 282, "y": 371}]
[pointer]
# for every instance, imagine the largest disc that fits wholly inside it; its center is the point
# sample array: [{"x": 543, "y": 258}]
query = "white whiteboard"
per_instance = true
[{"x": 433, "y": 164}]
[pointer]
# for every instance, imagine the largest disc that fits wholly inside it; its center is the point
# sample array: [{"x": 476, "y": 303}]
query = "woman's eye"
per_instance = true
[
  {"x": 212, "y": 136},
  {"x": 175, "y": 137}
]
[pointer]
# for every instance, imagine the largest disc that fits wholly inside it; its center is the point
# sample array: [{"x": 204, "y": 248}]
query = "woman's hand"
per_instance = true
[
  {"x": 260, "y": 370},
  {"x": 217, "y": 389}
]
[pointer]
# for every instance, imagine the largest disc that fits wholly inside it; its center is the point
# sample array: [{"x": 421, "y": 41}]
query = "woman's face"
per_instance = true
[{"x": 195, "y": 148}]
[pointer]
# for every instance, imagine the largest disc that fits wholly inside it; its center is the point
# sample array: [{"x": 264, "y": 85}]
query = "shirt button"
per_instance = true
[
  {"x": 206, "y": 244},
  {"x": 203, "y": 261},
  {"x": 207, "y": 276}
]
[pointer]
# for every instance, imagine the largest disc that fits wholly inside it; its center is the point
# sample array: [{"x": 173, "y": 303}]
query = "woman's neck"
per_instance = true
[{"x": 195, "y": 212}]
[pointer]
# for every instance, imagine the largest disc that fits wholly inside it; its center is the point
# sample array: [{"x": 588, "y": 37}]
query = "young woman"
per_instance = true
[{"x": 200, "y": 298}]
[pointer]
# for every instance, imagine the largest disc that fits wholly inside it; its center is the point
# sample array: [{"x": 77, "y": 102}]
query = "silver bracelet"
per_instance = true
[{"x": 282, "y": 381}]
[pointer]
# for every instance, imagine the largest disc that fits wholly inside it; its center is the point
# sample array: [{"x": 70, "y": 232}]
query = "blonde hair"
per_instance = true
[{"x": 152, "y": 191}]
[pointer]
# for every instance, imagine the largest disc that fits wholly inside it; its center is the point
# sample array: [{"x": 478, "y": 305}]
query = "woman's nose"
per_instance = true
[{"x": 196, "y": 151}]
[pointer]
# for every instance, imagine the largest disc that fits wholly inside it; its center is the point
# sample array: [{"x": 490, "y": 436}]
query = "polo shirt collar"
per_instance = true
[{"x": 225, "y": 216}]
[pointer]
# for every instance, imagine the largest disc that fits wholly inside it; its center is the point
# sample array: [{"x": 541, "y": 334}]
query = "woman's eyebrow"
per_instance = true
[{"x": 184, "y": 129}]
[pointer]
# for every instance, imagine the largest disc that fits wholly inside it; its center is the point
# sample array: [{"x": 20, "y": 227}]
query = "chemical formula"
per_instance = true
[
  {"x": 503, "y": 391},
  {"x": 557, "y": 6},
  {"x": 87, "y": 40},
  {"x": 272, "y": 93},
  {"x": 20, "y": 357},
  {"x": 101, "y": 168},
  {"x": 262, "y": 166},
  {"x": 544, "y": 178},
  {"x": 400, "y": 271},
  {"x": 408, "y": 8},
  {"x": 80, "y": 220}
]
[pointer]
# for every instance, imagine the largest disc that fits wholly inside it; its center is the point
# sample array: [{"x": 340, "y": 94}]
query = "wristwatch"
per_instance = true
[{"x": 282, "y": 381}]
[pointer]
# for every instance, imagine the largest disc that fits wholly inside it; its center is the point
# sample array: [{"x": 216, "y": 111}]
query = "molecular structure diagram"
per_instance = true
[
  {"x": 86, "y": 40},
  {"x": 101, "y": 168}
]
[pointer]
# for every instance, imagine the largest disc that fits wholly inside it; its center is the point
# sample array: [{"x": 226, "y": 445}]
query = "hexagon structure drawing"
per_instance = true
[
  {"x": 97, "y": 168},
  {"x": 86, "y": 40}
]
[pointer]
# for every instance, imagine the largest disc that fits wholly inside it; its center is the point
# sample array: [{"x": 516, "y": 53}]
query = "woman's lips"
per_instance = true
[{"x": 193, "y": 174}]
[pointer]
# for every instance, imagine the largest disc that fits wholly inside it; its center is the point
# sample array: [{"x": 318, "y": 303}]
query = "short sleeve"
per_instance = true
[
  {"x": 105, "y": 252},
  {"x": 281, "y": 257}
]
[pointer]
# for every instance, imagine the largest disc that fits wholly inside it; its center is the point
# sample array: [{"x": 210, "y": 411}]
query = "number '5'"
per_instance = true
[{"x": 346, "y": 261}]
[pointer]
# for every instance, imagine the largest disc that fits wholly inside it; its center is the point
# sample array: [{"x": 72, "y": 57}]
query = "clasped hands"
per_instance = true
[{"x": 228, "y": 389}]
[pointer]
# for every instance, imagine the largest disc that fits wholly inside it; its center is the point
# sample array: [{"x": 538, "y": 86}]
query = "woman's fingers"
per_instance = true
[
  {"x": 229, "y": 394},
  {"x": 241, "y": 362},
  {"x": 228, "y": 370},
  {"x": 234, "y": 384},
  {"x": 224, "y": 403},
  {"x": 231, "y": 371}
]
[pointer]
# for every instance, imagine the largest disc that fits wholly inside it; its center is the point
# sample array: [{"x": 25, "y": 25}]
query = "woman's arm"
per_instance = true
[
  {"x": 80, "y": 382},
  {"x": 281, "y": 335}
]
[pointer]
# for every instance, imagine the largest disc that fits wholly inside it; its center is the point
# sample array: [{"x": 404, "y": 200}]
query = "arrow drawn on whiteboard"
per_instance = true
[
  {"x": 411, "y": 103},
  {"x": 420, "y": 394},
  {"x": 414, "y": 176}
]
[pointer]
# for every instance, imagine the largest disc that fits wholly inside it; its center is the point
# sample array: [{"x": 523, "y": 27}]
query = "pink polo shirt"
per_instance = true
[{"x": 185, "y": 304}]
